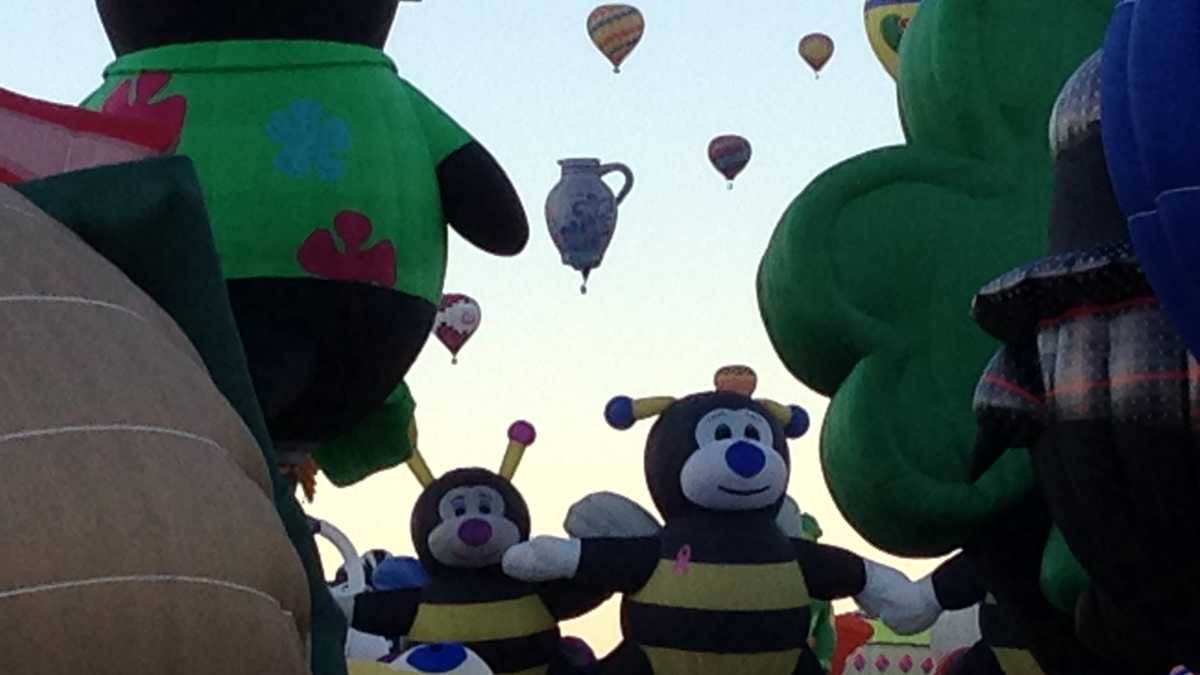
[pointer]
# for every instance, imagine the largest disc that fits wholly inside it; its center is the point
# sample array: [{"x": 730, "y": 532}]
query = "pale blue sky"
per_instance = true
[{"x": 674, "y": 299}]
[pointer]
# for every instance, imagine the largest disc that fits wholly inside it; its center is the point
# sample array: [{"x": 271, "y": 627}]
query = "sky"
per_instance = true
[{"x": 674, "y": 299}]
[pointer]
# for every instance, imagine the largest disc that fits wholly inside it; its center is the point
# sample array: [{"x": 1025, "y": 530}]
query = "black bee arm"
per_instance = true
[
  {"x": 957, "y": 584},
  {"x": 480, "y": 203},
  {"x": 615, "y": 564},
  {"x": 386, "y": 613},
  {"x": 568, "y": 599},
  {"x": 832, "y": 573}
]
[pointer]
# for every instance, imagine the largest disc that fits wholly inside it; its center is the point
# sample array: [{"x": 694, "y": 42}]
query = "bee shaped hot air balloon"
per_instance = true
[
  {"x": 462, "y": 524},
  {"x": 816, "y": 49},
  {"x": 729, "y": 154},
  {"x": 616, "y": 30},
  {"x": 886, "y": 21},
  {"x": 457, "y": 320}
]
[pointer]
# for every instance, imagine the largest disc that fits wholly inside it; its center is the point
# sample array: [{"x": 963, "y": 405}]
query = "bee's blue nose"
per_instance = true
[{"x": 745, "y": 459}]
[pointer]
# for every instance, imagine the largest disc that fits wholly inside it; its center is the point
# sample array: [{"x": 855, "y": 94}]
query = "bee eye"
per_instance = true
[
  {"x": 752, "y": 433},
  {"x": 485, "y": 509},
  {"x": 459, "y": 511},
  {"x": 723, "y": 432}
]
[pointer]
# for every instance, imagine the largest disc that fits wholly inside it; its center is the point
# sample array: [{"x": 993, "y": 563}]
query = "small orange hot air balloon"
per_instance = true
[
  {"x": 816, "y": 49},
  {"x": 616, "y": 30}
]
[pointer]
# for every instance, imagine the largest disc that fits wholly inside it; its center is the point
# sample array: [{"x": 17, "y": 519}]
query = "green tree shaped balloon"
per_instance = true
[{"x": 865, "y": 288}]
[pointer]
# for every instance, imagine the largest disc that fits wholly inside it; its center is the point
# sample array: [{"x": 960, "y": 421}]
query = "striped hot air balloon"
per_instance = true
[
  {"x": 616, "y": 30},
  {"x": 729, "y": 154}
]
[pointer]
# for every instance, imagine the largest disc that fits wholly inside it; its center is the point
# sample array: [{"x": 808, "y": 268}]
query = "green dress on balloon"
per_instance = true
[{"x": 305, "y": 175}]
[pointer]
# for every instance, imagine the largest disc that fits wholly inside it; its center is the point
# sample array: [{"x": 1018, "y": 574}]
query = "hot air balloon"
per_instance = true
[
  {"x": 886, "y": 21},
  {"x": 581, "y": 212},
  {"x": 457, "y": 320},
  {"x": 816, "y": 49},
  {"x": 729, "y": 154},
  {"x": 616, "y": 30}
]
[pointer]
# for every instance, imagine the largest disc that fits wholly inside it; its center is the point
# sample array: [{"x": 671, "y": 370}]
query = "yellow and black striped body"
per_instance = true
[
  {"x": 727, "y": 601},
  {"x": 505, "y": 622}
]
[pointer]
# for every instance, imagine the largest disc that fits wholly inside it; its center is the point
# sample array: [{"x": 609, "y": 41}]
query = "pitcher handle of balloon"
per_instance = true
[
  {"x": 356, "y": 581},
  {"x": 625, "y": 171}
]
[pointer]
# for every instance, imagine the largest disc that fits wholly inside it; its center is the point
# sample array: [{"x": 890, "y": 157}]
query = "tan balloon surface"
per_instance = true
[{"x": 138, "y": 534}]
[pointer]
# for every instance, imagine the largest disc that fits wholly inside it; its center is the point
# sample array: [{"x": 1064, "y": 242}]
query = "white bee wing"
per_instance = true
[{"x": 606, "y": 514}]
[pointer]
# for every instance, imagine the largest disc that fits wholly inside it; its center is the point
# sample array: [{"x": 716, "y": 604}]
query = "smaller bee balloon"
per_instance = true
[
  {"x": 457, "y": 320},
  {"x": 886, "y": 21}
]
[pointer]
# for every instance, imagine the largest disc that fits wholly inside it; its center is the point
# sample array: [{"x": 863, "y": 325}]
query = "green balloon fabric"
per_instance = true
[
  {"x": 314, "y": 103},
  {"x": 1063, "y": 578},
  {"x": 119, "y": 211},
  {"x": 866, "y": 285},
  {"x": 822, "y": 633},
  {"x": 322, "y": 170},
  {"x": 373, "y": 444}
]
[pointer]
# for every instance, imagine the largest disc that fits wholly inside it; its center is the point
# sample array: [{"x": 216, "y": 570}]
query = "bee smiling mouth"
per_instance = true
[{"x": 743, "y": 493}]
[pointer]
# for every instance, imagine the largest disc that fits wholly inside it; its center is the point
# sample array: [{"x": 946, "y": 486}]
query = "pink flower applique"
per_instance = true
[
  {"x": 320, "y": 255},
  {"x": 133, "y": 98}
]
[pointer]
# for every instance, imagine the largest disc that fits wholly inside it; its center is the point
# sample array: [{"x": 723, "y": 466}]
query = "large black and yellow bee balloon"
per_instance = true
[
  {"x": 720, "y": 587},
  {"x": 462, "y": 524}
]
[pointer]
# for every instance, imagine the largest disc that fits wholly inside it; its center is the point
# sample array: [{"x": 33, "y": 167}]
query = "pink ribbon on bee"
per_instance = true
[{"x": 683, "y": 559}]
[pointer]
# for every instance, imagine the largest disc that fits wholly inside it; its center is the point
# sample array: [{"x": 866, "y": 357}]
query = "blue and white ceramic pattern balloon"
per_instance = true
[{"x": 581, "y": 212}]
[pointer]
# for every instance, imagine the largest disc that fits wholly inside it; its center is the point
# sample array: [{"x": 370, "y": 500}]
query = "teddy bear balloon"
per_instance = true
[{"x": 329, "y": 180}]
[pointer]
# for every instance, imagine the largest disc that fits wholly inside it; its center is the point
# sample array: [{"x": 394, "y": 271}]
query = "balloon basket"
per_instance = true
[
  {"x": 583, "y": 289},
  {"x": 729, "y": 185},
  {"x": 617, "y": 70},
  {"x": 454, "y": 360}
]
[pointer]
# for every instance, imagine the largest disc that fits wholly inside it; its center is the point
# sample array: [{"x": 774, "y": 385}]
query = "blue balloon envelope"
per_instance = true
[
  {"x": 399, "y": 572},
  {"x": 1150, "y": 98}
]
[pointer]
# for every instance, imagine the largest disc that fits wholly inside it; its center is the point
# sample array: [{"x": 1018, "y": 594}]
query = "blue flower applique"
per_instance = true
[{"x": 312, "y": 140}]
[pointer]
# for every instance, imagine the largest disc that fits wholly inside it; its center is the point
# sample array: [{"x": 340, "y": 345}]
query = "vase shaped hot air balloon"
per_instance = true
[
  {"x": 729, "y": 154},
  {"x": 581, "y": 212},
  {"x": 886, "y": 21},
  {"x": 616, "y": 30},
  {"x": 457, "y": 320},
  {"x": 816, "y": 49}
]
